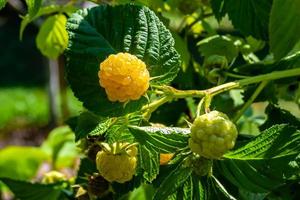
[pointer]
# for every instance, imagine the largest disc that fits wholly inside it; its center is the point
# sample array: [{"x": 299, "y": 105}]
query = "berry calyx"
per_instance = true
[
  {"x": 212, "y": 135},
  {"x": 200, "y": 165},
  {"x": 124, "y": 77},
  {"x": 117, "y": 162}
]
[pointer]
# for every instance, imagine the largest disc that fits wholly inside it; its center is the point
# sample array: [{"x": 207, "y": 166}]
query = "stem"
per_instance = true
[
  {"x": 172, "y": 93},
  {"x": 199, "y": 107},
  {"x": 235, "y": 75},
  {"x": 270, "y": 76},
  {"x": 250, "y": 100}
]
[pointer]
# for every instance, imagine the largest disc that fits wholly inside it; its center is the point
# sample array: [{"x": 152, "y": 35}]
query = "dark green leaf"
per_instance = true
[
  {"x": 32, "y": 191},
  {"x": 33, "y": 7},
  {"x": 288, "y": 62},
  {"x": 163, "y": 140},
  {"x": 244, "y": 175},
  {"x": 274, "y": 142},
  {"x": 172, "y": 182},
  {"x": 98, "y": 32},
  {"x": 284, "y": 23},
  {"x": 88, "y": 123},
  {"x": 218, "y": 191},
  {"x": 251, "y": 17},
  {"x": 279, "y": 116},
  {"x": 86, "y": 167}
]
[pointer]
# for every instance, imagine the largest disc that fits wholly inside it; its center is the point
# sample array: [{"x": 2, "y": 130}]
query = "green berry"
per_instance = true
[{"x": 212, "y": 135}]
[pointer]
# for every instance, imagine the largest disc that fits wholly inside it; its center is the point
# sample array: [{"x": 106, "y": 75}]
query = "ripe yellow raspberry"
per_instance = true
[
  {"x": 212, "y": 135},
  {"x": 124, "y": 77},
  {"x": 117, "y": 162}
]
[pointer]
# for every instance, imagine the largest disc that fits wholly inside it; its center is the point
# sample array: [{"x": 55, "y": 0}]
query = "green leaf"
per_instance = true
[
  {"x": 88, "y": 123},
  {"x": 60, "y": 144},
  {"x": 244, "y": 175},
  {"x": 2, "y": 3},
  {"x": 218, "y": 191},
  {"x": 274, "y": 142},
  {"x": 47, "y": 10},
  {"x": 21, "y": 162},
  {"x": 33, "y": 7},
  {"x": 163, "y": 140},
  {"x": 52, "y": 38},
  {"x": 100, "y": 31},
  {"x": 254, "y": 12},
  {"x": 32, "y": 191},
  {"x": 218, "y": 45},
  {"x": 149, "y": 162},
  {"x": 284, "y": 23},
  {"x": 279, "y": 116},
  {"x": 172, "y": 182},
  {"x": 192, "y": 189}
]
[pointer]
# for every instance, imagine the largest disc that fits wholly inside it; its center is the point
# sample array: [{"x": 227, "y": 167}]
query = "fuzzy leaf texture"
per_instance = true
[
  {"x": 275, "y": 142},
  {"x": 100, "y": 31},
  {"x": 163, "y": 140},
  {"x": 52, "y": 38}
]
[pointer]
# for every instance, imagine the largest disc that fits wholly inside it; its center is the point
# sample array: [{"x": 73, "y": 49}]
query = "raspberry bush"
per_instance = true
[{"x": 174, "y": 94}]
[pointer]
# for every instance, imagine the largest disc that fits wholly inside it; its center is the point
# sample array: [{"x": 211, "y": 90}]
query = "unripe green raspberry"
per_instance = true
[
  {"x": 117, "y": 162},
  {"x": 212, "y": 135},
  {"x": 53, "y": 177},
  {"x": 124, "y": 77}
]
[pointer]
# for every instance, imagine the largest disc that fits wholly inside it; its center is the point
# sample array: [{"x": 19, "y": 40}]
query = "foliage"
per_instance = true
[{"x": 235, "y": 45}]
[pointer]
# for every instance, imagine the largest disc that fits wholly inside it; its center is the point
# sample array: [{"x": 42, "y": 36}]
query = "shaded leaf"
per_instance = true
[
  {"x": 284, "y": 23},
  {"x": 218, "y": 45},
  {"x": 254, "y": 12},
  {"x": 32, "y": 191}
]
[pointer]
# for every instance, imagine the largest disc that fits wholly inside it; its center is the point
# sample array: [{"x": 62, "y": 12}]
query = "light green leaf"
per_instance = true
[
  {"x": 98, "y": 32},
  {"x": 52, "y": 38},
  {"x": 284, "y": 24},
  {"x": 218, "y": 45},
  {"x": 172, "y": 182},
  {"x": 148, "y": 162},
  {"x": 60, "y": 144},
  {"x": 251, "y": 17},
  {"x": 32, "y": 191},
  {"x": 2, "y": 3},
  {"x": 44, "y": 11},
  {"x": 275, "y": 142},
  {"x": 21, "y": 162},
  {"x": 163, "y": 140},
  {"x": 33, "y": 7}
]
